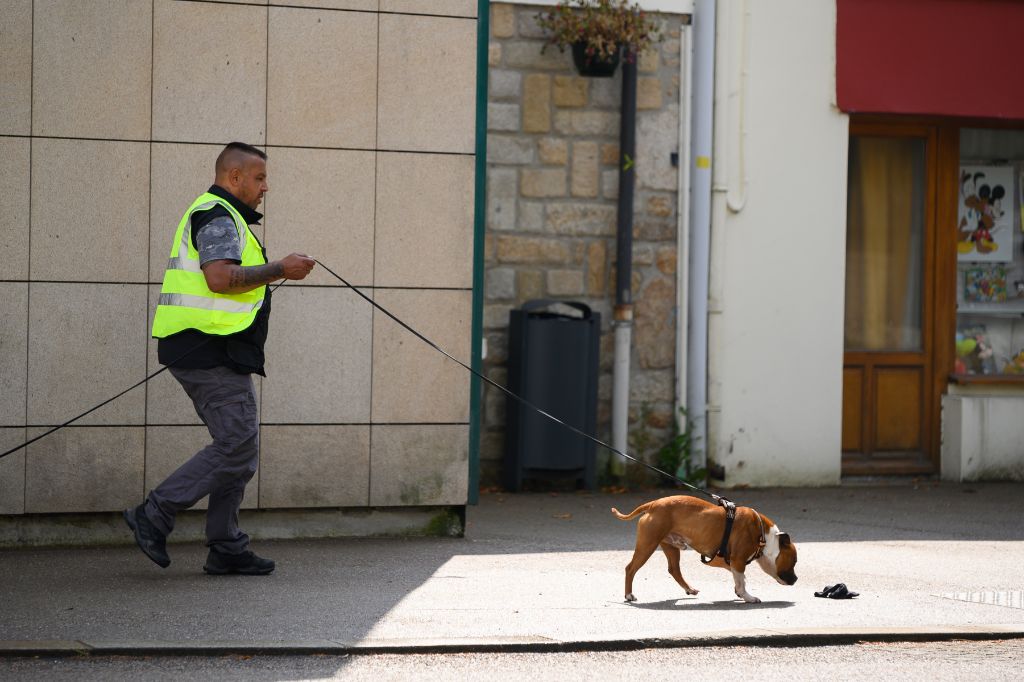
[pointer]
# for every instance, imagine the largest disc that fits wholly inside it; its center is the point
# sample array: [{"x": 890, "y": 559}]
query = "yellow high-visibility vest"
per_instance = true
[{"x": 186, "y": 302}]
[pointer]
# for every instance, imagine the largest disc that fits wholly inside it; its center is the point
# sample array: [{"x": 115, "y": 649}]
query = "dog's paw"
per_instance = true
[
  {"x": 630, "y": 597},
  {"x": 751, "y": 599},
  {"x": 690, "y": 591}
]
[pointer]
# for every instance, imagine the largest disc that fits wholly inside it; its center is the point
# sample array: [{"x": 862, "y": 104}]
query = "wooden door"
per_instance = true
[{"x": 889, "y": 407}]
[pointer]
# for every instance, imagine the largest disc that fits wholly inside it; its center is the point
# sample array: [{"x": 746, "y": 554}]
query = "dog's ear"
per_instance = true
[{"x": 784, "y": 540}]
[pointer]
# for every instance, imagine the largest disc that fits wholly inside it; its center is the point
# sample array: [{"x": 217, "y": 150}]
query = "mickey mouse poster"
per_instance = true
[{"x": 986, "y": 214}]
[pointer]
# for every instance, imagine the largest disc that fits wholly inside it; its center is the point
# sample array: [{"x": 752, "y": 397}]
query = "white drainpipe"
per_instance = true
[
  {"x": 683, "y": 213},
  {"x": 733, "y": 121},
  {"x": 700, "y": 220}
]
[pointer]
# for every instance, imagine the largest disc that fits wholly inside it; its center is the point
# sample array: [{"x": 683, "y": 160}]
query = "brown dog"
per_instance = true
[{"x": 684, "y": 522}]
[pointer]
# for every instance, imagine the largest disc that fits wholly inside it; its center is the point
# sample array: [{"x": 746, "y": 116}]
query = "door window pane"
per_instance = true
[{"x": 884, "y": 243}]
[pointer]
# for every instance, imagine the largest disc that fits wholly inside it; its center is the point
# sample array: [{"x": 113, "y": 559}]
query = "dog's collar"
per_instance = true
[{"x": 762, "y": 541}]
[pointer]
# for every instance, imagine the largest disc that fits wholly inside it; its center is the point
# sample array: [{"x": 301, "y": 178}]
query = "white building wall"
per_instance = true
[
  {"x": 777, "y": 271},
  {"x": 982, "y": 435}
]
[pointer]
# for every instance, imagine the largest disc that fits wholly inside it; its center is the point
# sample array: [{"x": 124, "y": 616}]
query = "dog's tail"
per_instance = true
[{"x": 633, "y": 514}]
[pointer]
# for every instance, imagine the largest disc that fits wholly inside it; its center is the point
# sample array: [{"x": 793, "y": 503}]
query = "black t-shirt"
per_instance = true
[{"x": 242, "y": 351}]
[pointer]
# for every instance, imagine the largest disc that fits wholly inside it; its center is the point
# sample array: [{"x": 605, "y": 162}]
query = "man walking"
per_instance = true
[{"x": 211, "y": 322}]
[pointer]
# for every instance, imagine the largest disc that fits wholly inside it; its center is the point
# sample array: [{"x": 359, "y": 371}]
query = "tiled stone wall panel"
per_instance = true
[
  {"x": 12, "y": 472},
  {"x": 85, "y": 470},
  {"x": 318, "y": 357},
  {"x": 314, "y": 466},
  {"x": 427, "y": 84},
  {"x": 14, "y": 206},
  {"x": 157, "y": 87},
  {"x": 13, "y": 346},
  {"x": 420, "y": 464},
  {"x": 92, "y": 68},
  {"x": 16, "y": 67},
  {"x": 168, "y": 447},
  {"x": 364, "y": 5},
  {"x": 86, "y": 344},
  {"x": 181, "y": 172},
  {"x": 209, "y": 72},
  {"x": 90, "y": 209},
  {"x": 412, "y": 382},
  {"x": 321, "y": 203},
  {"x": 322, "y": 82},
  {"x": 456, "y": 8},
  {"x": 424, "y": 231}
]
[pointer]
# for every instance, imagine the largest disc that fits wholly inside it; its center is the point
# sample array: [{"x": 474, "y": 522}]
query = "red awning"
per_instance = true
[{"x": 931, "y": 57}]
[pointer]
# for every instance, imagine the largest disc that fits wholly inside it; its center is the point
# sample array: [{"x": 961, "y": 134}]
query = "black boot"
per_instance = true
[
  {"x": 246, "y": 563},
  {"x": 150, "y": 540}
]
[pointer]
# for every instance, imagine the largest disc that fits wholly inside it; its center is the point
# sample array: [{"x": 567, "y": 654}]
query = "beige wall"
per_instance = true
[{"x": 111, "y": 114}]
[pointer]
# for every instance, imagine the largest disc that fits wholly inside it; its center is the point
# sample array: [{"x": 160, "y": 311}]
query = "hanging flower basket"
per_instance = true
[
  {"x": 598, "y": 31},
  {"x": 594, "y": 66}
]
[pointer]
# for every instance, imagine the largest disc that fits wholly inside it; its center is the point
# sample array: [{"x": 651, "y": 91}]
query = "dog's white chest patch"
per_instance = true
[
  {"x": 771, "y": 547},
  {"x": 676, "y": 541}
]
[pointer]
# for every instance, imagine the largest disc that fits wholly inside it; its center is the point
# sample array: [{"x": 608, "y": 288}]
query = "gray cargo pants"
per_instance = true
[{"x": 226, "y": 402}]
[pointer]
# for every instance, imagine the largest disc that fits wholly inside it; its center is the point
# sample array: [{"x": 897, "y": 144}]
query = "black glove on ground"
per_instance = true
[{"x": 837, "y": 591}]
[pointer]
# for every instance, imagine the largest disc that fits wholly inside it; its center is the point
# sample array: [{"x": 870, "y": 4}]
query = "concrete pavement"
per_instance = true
[{"x": 540, "y": 572}]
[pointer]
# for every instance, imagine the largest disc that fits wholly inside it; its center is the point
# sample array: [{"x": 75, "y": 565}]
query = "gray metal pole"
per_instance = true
[{"x": 700, "y": 221}]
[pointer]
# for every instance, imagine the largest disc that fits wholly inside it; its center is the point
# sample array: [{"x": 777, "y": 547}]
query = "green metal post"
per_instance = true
[{"x": 479, "y": 224}]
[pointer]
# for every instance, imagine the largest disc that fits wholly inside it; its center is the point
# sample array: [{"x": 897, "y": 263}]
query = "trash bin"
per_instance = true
[{"x": 552, "y": 363}]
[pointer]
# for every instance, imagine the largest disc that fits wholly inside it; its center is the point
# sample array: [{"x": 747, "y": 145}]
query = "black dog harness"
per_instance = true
[{"x": 730, "y": 517}]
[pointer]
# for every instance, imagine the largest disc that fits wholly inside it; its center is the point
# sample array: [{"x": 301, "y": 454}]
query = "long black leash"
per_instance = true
[
  {"x": 728, "y": 505},
  {"x": 514, "y": 396},
  {"x": 110, "y": 400},
  {"x": 717, "y": 498}
]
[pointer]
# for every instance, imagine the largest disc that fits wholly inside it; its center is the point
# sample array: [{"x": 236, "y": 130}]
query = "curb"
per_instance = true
[
  {"x": 724, "y": 638},
  {"x": 107, "y": 529}
]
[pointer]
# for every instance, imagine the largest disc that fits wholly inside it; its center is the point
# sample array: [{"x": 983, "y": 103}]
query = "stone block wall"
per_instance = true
[
  {"x": 111, "y": 115},
  {"x": 552, "y": 187}
]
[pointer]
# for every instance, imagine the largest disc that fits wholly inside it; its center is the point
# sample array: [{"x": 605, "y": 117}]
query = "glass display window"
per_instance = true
[{"x": 990, "y": 254}]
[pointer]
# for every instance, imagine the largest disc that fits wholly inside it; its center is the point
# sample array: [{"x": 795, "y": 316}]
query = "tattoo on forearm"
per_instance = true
[{"x": 254, "y": 275}]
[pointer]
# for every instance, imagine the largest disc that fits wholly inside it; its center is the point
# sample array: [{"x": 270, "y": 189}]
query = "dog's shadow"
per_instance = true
[{"x": 686, "y": 605}]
